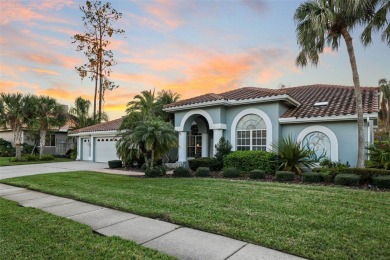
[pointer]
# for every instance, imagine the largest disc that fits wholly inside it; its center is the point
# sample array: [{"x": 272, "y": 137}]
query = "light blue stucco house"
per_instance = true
[{"x": 322, "y": 117}]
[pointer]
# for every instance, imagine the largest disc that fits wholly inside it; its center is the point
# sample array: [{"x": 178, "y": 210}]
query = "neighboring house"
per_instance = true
[
  {"x": 323, "y": 117},
  {"x": 57, "y": 142},
  {"x": 97, "y": 143}
]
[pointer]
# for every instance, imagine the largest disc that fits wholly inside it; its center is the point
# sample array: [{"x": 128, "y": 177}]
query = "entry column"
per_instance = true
[
  {"x": 205, "y": 145},
  {"x": 182, "y": 147},
  {"x": 218, "y": 133}
]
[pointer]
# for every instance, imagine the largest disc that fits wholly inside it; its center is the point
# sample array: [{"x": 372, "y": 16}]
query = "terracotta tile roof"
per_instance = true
[
  {"x": 106, "y": 126},
  {"x": 341, "y": 100}
]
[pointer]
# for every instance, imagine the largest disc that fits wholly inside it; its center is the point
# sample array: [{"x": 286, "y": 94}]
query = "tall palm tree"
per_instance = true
[
  {"x": 48, "y": 114},
  {"x": 323, "y": 23},
  {"x": 157, "y": 136},
  {"x": 15, "y": 113},
  {"x": 79, "y": 114},
  {"x": 378, "y": 22},
  {"x": 384, "y": 85},
  {"x": 166, "y": 97},
  {"x": 144, "y": 103}
]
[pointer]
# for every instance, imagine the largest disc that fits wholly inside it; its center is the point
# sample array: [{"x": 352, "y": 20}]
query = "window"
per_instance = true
[
  {"x": 319, "y": 143},
  {"x": 251, "y": 133},
  {"x": 194, "y": 142},
  {"x": 50, "y": 140}
]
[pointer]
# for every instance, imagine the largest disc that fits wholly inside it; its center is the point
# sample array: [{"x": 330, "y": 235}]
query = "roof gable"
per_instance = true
[{"x": 112, "y": 125}]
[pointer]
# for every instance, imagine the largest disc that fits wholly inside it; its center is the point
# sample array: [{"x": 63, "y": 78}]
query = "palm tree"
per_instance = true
[
  {"x": 79, "y": 114},
  {"x": 144, "y": 103},
  {"x": 384, "y": 86},
  {"x": 166, "y": 97},
  {"x": 15, "y": 113},
  {"x": 157, "y": 136},
  {"x": 325, "y": 22},
  {"x": 378, "y": 21},
  {"x": 48, "y": 114}
]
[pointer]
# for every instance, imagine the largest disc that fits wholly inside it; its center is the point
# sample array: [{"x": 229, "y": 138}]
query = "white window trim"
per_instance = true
[
  {"x": 245, "y": 112},
  {"x": 334, "y": 145},
  {"x": 204, "y": 114},
  {"x": 251, "y": 145}
]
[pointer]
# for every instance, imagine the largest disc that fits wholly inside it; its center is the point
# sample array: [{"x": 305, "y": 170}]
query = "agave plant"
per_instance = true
[{"x": 292, "y": 155}]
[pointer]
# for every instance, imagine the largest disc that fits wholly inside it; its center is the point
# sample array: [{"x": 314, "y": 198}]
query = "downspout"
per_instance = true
[{"x": 368, "y": 134}]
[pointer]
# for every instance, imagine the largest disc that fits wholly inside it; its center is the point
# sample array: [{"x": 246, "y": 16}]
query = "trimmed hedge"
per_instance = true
[
  {"x": 115, "y": 164},
  {"x": 212, "y": 163},
  {"x": 366, "y": 175},
  {"x": 347, "y": 179},
  {"x": 257, "y": 174},
  {"x": 181, "y": 172},
  {"x": 202, "y": 172},
  {"x": 231, "y": 173},
  {"x": 47, "y": 157},
  {"x": 381, "y": 182},
  {"x": 284, "y": 176},
  {"x": 311, "y": 177},
  {"x": 156, "y": 171},
  {"x": 247, "y": 161}
]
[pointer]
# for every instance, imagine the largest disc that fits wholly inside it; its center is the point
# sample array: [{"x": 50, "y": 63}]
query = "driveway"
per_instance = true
[{"x": 32, "y": 169}]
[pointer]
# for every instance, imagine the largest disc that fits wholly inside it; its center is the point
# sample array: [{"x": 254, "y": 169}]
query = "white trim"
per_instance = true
[
  {"x": 294, "y": 120},
  {"x": 96, "y": 133},
  {"x": 245, "y": 112},
  {"x": 232, "y": 102},
  {"x": 204, "y": 114},
  {"x": 334, "y": 145}
]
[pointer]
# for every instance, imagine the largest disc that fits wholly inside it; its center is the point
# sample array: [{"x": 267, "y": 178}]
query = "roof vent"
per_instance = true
[{"x": 320, "y": 104}]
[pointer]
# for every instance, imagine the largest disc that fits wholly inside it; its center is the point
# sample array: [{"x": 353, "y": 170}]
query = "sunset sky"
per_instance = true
[{"x": 189, "y": 47}]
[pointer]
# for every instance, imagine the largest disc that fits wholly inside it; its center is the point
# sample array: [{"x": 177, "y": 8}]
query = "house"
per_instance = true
[
  {"x": 57, "y": 142},
  {"x": 322, "y": 117},
  {"x": 97, "y": 143}
]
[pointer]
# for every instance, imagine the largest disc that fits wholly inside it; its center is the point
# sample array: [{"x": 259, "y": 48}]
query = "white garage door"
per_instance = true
[
  {"x": 105, "y": 149},
  {"x": 85, "y": 146}
]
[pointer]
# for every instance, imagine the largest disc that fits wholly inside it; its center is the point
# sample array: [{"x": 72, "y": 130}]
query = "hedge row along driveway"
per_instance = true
[{"x": 311, "y": 221}]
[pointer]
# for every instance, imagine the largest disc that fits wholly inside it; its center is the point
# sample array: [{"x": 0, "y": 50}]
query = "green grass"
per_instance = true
[
  {"x": 312, "y": 221},
  {"x": 4, "y": 161},
  {"x": 27, "y": 233}
]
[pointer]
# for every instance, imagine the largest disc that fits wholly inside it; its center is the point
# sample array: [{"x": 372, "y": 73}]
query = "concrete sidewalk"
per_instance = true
[{"x": 181, "y": 242}]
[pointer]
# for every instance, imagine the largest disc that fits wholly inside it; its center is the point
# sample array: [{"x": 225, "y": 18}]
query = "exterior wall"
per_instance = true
[
  {"x": 346, "y": 134},
  {"x": 8, "y": 136}
]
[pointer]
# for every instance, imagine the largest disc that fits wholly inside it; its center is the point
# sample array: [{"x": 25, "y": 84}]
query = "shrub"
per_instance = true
[
  {"x": 327, "y": 176},
  {"x": 115, "y": 164},
  {"x": 329, "y": 164},
  {"x": 211, "y": 163},
  {"x": 6, "y": 148},
  {"x": 14, "y": 159},
  {"x": 347, "y": 179},
  {"x": 257, "y": 174},
  {"x": 246, "y": 161},
  {"x": 156, "y": 171},
  {"x": 46, "y": 157},
  {"x": 181, "y": 172},
  {"x": 381, "y": 182},
  {"x": 29, "y": 149},
  {"x": 222, "y": 149},
  {"x": 31, "y": 157},
  {"x": 144, "y": 167},
  {"x": 311, "y": 177},
  {"x": 292, "y": 155},
  {"x": 366, "y": 175},
  {"x": 380, "y": 153},
  {"x": 284, "y": 176},
  {"x": 231, "y": 173},
  {"x": 202, "y": 172}
]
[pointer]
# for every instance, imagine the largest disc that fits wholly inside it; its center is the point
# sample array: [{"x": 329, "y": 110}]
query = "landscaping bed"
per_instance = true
[
  {"x": 5, "y": 161},
  {"x": 312, "y": 221},
  {"x": 28, "y": 233}
]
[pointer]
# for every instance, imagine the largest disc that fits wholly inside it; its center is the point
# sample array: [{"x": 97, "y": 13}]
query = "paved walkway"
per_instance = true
[{"x": 181, "y": 242}]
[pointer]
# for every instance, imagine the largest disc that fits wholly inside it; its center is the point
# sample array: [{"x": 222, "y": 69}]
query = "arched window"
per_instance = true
[
  {"x": 251, "y": 133},
  {"x": 319, "y": 143},
  {"x": 194, "y": 144}
]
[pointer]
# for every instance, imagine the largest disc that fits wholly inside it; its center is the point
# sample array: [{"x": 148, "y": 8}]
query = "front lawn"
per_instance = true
[
  {"x": 4, "y": 161},
  {"x": 27, "y": 233},
  {"x": 311, "y": 221}
]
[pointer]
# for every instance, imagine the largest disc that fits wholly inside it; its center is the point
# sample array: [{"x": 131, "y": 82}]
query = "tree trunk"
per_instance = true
[
  {"x": 18, "y": 143},
  {"x": 96, "y": 90},
  {"x": 152, "y": 159},
  {"x": 42, "y": 139},
  {"x": 100, "y": 62},
  {"x": 358, "y": 96}
]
